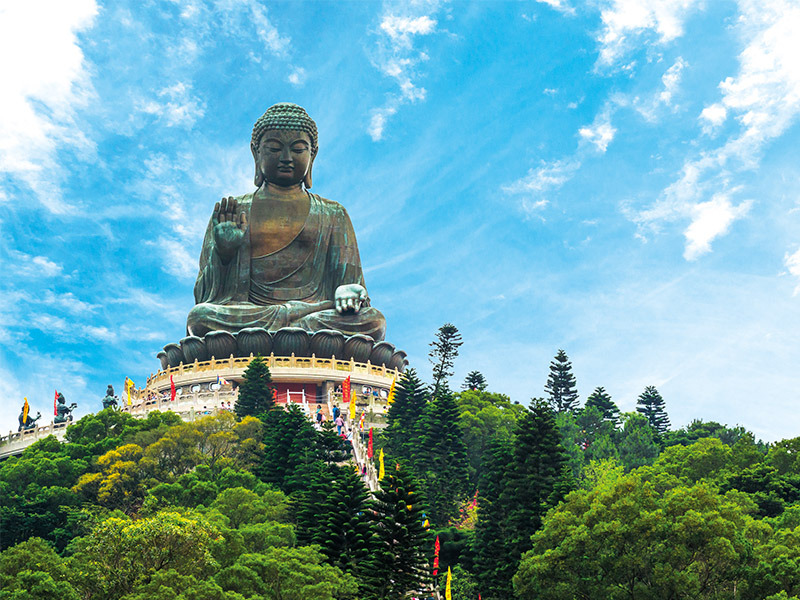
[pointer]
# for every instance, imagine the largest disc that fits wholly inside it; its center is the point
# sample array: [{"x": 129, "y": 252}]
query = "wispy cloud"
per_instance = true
[
  {"x": 534, "y": 187},
  {"x": 46, "y": 81},
  {"x": 792, "y": 263},
  {"x": 397, "y": 57},
  {"x": 764, "y": 97},
  {"x": 176, "y": 106},
  {"x": 626, "y": 21},
  {"x": 600, "y": 133},
  {"x": 560, "y": 5}
]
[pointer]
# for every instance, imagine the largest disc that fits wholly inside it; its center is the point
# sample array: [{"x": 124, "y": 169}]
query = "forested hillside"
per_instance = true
[{"x": 557, "y": 499}]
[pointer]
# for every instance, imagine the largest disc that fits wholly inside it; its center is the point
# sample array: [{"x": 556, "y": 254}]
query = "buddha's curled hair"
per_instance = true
[{"x": 286, "y": 115}]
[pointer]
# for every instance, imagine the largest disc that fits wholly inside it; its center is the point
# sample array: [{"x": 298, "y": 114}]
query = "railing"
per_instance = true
[
  {"x": 16, "y": 441},
  {"x": 302, "y": 362}
]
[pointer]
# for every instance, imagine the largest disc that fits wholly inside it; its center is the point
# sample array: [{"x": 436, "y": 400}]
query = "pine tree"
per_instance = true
[
  {"x": 534, "y": 481},
  {"x": 290, "y": 449},
  {"x": 601, "y": 400},
  {"x": 492, "y": 569},
  {"x": 652, "y": 405},
  {"x": 444, "y": 350},
  {"x": 256, "y": 395},
  {"x": 411, "y": 397},
  {"x": 334, "y": 514},
  {"x": 475, "y": 381},
  {"x": 397, "y": 564},
  {"x": 561, "y": 384},
  {"x": 440, "y": 460}
]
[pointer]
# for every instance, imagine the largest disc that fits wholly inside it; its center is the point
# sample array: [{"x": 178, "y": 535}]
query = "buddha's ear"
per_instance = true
[
  {"x": 307, "y": 178},
  {"x": 259, "y": 178}
]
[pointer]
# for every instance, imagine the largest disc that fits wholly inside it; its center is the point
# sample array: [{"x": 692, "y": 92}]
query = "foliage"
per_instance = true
[
  {"x": 440, "y": 459},
  {"x": 444, "y": 350},
  {"x": 601, "y": 400},
  {"x": 475, "y": 381},
  {"x": 698, "y": 429},
  {"x": 256, "y": 394},
  {"x": 411, "y": 397},
  {"x": 397, "y": 564},
  {"x": 637, "y": 443},
  {"x": 652, "y": 406},
  {"x": 560, "y": 386},
  {"x": 290, "y": 449}
]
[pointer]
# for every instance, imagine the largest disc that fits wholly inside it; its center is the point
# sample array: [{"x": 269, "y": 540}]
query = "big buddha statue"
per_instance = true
[{"x": 282, "y": 256}]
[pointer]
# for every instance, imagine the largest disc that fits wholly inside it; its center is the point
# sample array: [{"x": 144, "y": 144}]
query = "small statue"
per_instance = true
[
  {"x": 110, "y": 400},
  {"x": 30, "y": 423},
  {"x": 282, "y": 256},
  {"x": 64, "y": 412}
]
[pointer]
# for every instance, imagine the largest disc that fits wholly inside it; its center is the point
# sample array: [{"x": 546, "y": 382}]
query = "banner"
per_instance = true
[
  {"x": 352, "y": 409},
  {"x": 448, "y": 594},
  {"x": 55, "y": 405},
  {"x": 381, "y": 472},
  {"x": 390, "y": 399},
  {"x": 370, "y": 452},
  {"x": 346, "y": 390},
  {"x": 172, "y": 391},
  {"x": 25, "y": 410},
  {"x": 436, "y": 557}
]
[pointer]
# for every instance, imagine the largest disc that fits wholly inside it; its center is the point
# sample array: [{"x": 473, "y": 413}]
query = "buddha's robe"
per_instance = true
[{"x": 291, "y": 287}]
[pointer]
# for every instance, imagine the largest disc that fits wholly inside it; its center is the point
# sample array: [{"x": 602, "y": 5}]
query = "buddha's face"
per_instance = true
[{"x": 284, "y": 156}]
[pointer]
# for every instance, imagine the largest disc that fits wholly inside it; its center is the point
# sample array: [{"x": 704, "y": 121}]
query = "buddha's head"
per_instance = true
[{"x": 284, "y": 145}]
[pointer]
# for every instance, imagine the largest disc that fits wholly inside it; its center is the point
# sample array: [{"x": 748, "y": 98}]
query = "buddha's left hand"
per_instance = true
[{"x": 349, "y": 298}]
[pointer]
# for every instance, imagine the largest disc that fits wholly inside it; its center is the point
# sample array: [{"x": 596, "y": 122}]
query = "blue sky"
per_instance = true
[{"x": 617, "y": 178}]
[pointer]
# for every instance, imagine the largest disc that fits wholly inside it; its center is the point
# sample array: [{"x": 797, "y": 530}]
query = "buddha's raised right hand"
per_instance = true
[{"x": 229, "y": 228}]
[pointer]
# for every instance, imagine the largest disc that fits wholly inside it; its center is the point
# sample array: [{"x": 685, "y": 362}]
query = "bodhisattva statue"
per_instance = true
[
  {"x": 64, "y": 412},
  {"x": 282, "y": 256},
  {"x": 110, "y": 399}
]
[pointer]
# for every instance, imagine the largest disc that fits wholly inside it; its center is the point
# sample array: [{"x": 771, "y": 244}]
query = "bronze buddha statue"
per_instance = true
[{"x": 282, "y": 256}]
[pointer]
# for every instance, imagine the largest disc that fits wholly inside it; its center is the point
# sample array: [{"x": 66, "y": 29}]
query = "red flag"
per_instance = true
[
  {"x": 55, "y": 404},
  {"x": 172, "y": 391},
  {"x": 436, "y": 557},
  {"x": 346, "y": 390},
  {"x": 370, "y": 452}
]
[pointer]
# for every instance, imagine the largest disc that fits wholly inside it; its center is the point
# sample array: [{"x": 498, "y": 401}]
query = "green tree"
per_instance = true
[
  {"x": 475, "y": 381},
  {"x": 286, "y": 574},
  {"x": 256, "y": 395},
  {"x": 440, "y": 460},
  {"x": 463, "y": 586},
  {"x": 411, "y": 397},
  {"x": 699, "y": 429},
  {"x": 334, "y": 514},
  {"x": 397, "y": 564},
  {"x": 32, "y": 570},
  {"x": 601, "y": 400},
  {"x": 628, "y": 538},
  {"x": 637, "y": 442},
  {"x": 444, "y": 350},
  {"x": 560, "y": 385},
  {"x": 652, "y": 406},
  {"x": 484, "y": 415},
  {"x": 290, "y": 449},
  {"x": 492, "y": 567}
]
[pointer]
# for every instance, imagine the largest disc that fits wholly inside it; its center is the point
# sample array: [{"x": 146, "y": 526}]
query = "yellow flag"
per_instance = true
[
  {"x": 390, "y": 399},
  {"x": 128, "y": 385},
  {"x": 353, "y": 408},
  {"x": 447, "y": 593},
  {"x": 381, "y": 472},
  {"x": 25, "y": 410}
]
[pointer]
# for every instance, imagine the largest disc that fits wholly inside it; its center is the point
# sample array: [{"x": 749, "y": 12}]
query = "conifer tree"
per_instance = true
[
  {"x": 290, "y": 449},
  {"x": 440, "y": 459},
  {"x": 256, "y": 395},
  {"x": 475, "y": 381},
  {"x": 493, "y": 570},
  {"x": 560, "y": 384},
  {"x": 334, "y": 514},
  {"x": 652, "y": 406},
  {"x": 534, "y": 480},
  {"x": 601, "y": 400},
  {"x": 444, "y": 350},
  {"x": 397, "y": 565},
  {"x": 411, "y": 397}
]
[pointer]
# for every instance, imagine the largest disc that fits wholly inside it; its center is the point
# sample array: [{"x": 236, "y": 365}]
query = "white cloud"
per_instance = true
[
  {"x": 559, "y": 5},
  {"x": 600, "y": 134},
  {"x": 710, "y": 220},
  {"x": 792, "y": 263},
  {"x": 297, "y": 76},
  {"x": 671, "y": 80},
  {"x": 45, "y": 81},
  {"x": 546, "y": 177},
  {"x": 177, "y": 106},
  {"x": 34, "y": 266},
  {"x": 396, "y": 57},
  {"x": 764, "y": 99},
  {"x": 177, "y": 260},
  {"x": 625, "y": 20}
]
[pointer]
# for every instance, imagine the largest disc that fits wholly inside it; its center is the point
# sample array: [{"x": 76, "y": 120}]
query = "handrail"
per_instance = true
[{"x": 302, "y": 362}]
